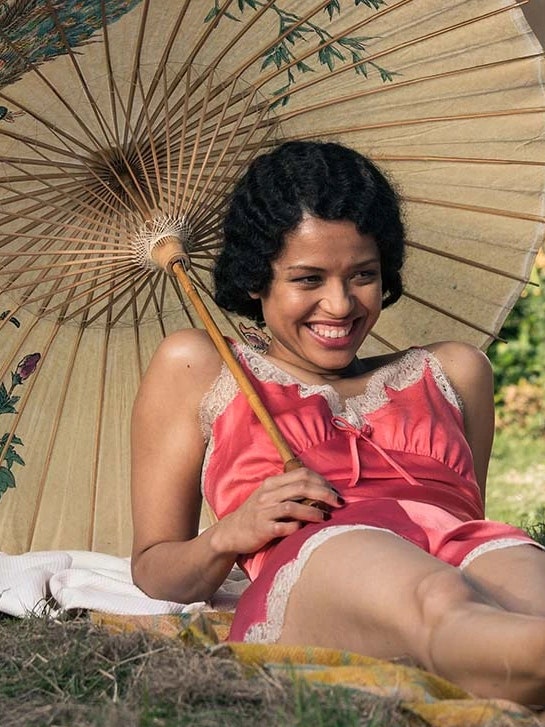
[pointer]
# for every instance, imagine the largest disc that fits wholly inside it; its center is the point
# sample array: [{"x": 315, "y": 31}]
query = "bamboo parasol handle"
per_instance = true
[
  {"x": 289, "y": 460},
  {"x": 171, "y": 256}
]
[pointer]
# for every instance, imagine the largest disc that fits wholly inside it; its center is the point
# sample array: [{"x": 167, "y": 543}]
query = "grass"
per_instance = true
[
  {"x": 69, "y": 672},
  {"x": 516, "y": 481}
]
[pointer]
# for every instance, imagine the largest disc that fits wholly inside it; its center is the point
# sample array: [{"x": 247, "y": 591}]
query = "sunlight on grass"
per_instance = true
[{"x": 516, "y": 480}]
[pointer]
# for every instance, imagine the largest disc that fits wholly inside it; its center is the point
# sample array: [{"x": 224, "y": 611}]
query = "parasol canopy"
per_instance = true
[{"x": 125, "y": 119}]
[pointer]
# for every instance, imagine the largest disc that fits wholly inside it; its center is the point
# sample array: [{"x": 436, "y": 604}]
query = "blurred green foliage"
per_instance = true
[
  {"x": 522, "y": 356},
  {"x": 519, "y": 361}
]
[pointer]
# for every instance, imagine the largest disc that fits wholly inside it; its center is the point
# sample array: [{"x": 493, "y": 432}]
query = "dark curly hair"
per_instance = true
[{"x": 324, "y": 179}]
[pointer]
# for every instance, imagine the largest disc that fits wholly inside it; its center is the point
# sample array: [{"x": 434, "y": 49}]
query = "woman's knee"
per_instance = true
[
  {"x": 440, "y": 595},
  {"x": 444, "y": 589}
]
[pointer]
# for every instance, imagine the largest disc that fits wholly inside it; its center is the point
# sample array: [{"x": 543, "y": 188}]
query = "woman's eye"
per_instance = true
[
  {"x": 365, "y": 275},
  {"x": 308, "y": 279}
]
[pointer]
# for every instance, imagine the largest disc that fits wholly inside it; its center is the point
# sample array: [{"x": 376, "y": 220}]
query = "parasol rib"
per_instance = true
[
  {"x": 465, "y": 261},
  {"x": 450, "y": 314},
  {"x": 407, "y": 44},
  {"x": 477, "y": 208},
  {"x": 412, "y": 82},
  {"x": 56, "y": 420}
]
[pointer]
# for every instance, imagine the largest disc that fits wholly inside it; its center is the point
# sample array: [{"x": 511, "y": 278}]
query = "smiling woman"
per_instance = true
[{"x": 381, "y": 526}]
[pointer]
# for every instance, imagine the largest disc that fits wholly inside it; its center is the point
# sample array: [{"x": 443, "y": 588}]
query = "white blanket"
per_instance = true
[{"x": 49, "y": 582}]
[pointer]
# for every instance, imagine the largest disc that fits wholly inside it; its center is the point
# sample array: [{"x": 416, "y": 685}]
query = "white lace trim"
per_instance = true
[
  {"x": 216, "y": 400},
  {"x": 269, "y": 631},
  {"x": 398, "y": 375},
  {"x": 497, "y": 544}
]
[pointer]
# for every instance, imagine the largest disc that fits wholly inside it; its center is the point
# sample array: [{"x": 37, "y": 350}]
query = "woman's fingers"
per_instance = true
[
  {"x": 298, "y": 510},
  {"x": 302, "y": 486},
  {"x": 279, "y": 507}
]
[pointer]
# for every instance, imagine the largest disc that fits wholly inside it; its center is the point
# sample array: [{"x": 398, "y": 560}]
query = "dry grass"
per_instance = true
[{"x": 73, "y": 673}]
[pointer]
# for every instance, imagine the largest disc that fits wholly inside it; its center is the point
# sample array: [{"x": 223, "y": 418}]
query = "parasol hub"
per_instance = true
[
  {"x": 163, "y": 241},
  {"x": 167, "y": 251}
]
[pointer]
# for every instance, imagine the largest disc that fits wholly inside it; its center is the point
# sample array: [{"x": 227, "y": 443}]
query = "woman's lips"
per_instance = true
[
  {"x": 328, "y": 331},
  {"x": 333, "y": 336}
]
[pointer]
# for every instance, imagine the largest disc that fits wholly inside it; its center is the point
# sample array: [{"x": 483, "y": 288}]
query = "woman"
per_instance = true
[{"x": 395, "y": 449}]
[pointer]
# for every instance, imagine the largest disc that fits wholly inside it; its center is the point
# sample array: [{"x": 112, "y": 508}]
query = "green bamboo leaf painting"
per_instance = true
[
  {"x": 292, "y": 30},
  {"x": 7, "y": 480}
]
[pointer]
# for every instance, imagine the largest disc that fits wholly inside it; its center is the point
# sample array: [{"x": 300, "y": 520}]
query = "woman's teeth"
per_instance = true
[{"x": 330, "y": 331}]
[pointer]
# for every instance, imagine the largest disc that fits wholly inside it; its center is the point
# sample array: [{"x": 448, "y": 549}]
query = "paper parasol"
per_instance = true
[{"x": 109, "y": 109}]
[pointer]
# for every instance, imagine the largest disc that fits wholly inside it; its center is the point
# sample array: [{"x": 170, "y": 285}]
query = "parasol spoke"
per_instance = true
[
  {"x": 326, "y": 40},
  {"x": 410, "y": 82},
  {"x": 104, "y": 262},
  {"x": 119, "y": 286},
  {"x": 450, "y": 314},
  {"x": 165, "y": 53},
  {"x": 106, "y": 270},
  {"x": 184, "y": 73},
  {"x": 96, "y": 113},
  {"x": 140, "y": 309},
  {"x": 102, "y": 193},
  {"x": 55, "y": 424},
  {"x": 297, "y": 23},
  {"x": 455, "y": 159},
  {"x": 388, "y": 345},
  {"x": 466, "y": 261},
  {"x": 204, "y": 162},
  {"x": 132, "y": 297},
  {"x": 214, "y": 180},
  {"x": 219, "y": 184},
  {"x": 39, "y": 144},
  {"x": 477, "y": 208},
  {"x": 374, "y": 57}
]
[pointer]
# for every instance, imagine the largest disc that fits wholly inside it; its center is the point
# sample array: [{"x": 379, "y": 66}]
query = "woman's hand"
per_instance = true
[{"x": 274, "y": 510}]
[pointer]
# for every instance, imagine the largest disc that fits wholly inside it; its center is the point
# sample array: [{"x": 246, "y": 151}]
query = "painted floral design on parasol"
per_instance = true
[{"x": 8, "y": 401}]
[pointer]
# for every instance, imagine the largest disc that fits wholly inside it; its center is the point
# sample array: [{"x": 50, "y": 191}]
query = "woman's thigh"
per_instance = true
[
  {"x": 362, "y": 590},
  {"x": 514, "y": 577}
]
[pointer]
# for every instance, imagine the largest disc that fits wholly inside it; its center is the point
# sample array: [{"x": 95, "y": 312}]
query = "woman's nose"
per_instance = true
[{"x": 338, "y": 301}]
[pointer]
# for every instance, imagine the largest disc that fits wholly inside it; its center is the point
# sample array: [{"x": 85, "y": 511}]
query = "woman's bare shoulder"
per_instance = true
[
  {"x": 463, "y": 363},
  {"x": 470, "y": 373},
  {"x": 186, "y": 364},
  {"x": 191, "y": 351}
]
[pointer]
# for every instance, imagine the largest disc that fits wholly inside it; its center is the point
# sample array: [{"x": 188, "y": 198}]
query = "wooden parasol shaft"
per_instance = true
[{"x": 290, "y": 462}]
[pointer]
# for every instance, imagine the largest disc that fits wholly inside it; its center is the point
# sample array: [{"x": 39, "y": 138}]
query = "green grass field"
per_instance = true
[{"x": 516, "y": 481}]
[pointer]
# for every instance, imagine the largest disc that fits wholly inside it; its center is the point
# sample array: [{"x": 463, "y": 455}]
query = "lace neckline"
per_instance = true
[{"x": 398, "y": 374}]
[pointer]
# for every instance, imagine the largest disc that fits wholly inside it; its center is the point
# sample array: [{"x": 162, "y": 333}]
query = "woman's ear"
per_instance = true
[{"x": 254, "y": 296}]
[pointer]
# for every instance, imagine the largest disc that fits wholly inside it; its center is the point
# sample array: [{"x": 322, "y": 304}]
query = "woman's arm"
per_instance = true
[
  {"x": 470, "y": 372},
  {"x": 170, "y": 560}
]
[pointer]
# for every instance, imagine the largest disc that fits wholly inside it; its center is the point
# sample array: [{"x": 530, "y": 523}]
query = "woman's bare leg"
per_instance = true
[
  {"x": 514, "y": 577},
  {"x": 374, "y": 593}
]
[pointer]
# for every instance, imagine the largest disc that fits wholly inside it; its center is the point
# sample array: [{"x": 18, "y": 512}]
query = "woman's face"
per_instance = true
[{"x": 325, "y": 296}]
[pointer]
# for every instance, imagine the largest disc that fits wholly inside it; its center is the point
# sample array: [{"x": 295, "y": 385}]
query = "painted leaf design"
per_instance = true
[{"x": 7, "y": 479}]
